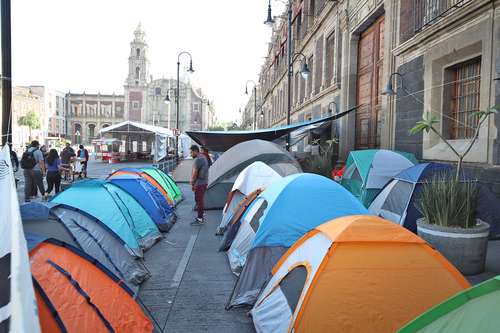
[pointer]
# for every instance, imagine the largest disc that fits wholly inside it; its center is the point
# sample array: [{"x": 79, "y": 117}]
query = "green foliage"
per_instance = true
[
  {"x": 448, "y": 203},
  {"x": 216, "y": 128},
  {"x": 426, "y": 124},
  {"x": 31, "y": 120}
]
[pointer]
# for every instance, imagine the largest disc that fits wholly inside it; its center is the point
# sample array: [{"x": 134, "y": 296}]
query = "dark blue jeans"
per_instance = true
[{"x": 32, "y": 177}]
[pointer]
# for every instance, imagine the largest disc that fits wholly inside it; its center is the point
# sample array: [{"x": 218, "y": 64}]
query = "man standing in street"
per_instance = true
[
  {"x": 33, "y": 164},
  {"x": 199, "y": 182},
  {"x": 83, "y": 155}
]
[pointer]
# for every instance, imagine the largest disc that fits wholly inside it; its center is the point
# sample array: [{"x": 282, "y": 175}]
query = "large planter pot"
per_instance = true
[{"x": 464, "y": 248}]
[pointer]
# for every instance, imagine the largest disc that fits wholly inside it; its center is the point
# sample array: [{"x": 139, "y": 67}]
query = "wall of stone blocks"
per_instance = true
[{"x": 408, "y": 108}]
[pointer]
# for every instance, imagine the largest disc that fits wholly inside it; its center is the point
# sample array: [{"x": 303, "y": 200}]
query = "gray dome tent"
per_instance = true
[
  {"x": 76, "y": 228},
  {"x": 226, "y": 169}
]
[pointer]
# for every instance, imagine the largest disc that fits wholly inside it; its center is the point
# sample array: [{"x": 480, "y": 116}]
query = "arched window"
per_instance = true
[
  {"x": 137, "y": 72},
  {"x": 77, "y": 134},
  {"x": 138, "y": 53},
  {"x": 91, "y": 129}
]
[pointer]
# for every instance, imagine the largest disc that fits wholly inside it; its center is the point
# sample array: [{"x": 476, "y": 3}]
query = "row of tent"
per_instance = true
[
  {"x": 389, "y": 184},
  {"x": 87, "y": 246},
  {"x": 280, "y": 233}
]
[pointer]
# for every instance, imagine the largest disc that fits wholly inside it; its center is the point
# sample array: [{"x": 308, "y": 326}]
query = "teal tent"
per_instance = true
[
  {"x": 367, "y": 171},
  {"x": 114, "y": 207}
]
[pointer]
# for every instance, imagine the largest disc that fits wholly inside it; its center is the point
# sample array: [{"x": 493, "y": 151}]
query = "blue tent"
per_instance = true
[
  {"x": 289, "y": 208},
  {"x": 85, "y": 232},
  {"x": 114, "y": 207},
  {"x": 398, "y": 201},
  {"x": 150, "y": 198}
]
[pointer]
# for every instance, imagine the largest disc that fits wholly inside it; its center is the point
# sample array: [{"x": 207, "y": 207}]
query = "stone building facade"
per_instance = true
[
  {"x": 87, "y": 114},
  {"x": 445, "y": 54},
  {"x": 24, "y": 101},
  {"x": 448, "y": 55}
]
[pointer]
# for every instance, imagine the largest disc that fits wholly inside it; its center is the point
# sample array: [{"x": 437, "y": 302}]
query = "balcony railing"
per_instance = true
[{"x": 428, "y": 12}]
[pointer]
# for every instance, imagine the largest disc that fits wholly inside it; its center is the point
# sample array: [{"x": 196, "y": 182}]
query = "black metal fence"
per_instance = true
[{"x": 429, "y": 11}]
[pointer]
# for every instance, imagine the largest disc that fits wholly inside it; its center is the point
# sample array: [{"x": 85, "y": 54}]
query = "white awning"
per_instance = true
[{"x": 134, "y": 127}]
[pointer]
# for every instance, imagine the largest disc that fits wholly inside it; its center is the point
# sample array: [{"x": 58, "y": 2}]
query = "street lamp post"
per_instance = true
[
  {"x": 190, "y": 70},
  {"x": 254, "y": 101},
  {"x": 290, "y": 60}
]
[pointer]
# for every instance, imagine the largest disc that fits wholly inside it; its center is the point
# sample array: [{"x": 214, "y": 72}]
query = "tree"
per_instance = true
[
  {"x": 31, "y": 120},
  {"x": 427, "y": 124},
  {"x": 216, "y": 128}
]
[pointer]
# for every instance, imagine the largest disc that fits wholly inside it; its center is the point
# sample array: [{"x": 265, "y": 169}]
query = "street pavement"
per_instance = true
[{"x": 191, "y": 281}]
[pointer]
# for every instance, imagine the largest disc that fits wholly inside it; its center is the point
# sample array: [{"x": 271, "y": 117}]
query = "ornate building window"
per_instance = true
[
  {"x": 137, "y": 72},
  {"x": 138, "y": 53},
  {"x": 463, "y": 98}
]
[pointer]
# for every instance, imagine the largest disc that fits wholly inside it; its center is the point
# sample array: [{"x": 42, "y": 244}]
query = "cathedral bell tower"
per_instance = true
[{"x": 136, "y": 82}]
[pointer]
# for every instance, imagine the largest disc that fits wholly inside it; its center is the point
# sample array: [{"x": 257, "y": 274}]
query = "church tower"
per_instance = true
[{"x": 136, "y": 82}]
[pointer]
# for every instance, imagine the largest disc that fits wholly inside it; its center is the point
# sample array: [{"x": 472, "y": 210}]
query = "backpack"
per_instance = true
[{"x": 28, "y": 160}]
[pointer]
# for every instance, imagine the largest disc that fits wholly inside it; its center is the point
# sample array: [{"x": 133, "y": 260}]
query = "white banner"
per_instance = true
[
  {"x": 17, "y": 310},
  {"x": 161, "y": 147}
]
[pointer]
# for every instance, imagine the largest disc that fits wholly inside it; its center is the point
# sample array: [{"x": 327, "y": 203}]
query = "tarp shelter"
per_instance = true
[
  {"x": 399, "y": 200},
  {"x": 367, "y": 171},
  {"x": 255, "y": 176},
  {"x": 141, "y": 138},
  {"x": 284, "y": 212},
  {"x": 166, "y": 182},
  {"x": 76, "y": 293},
  {"x": 472, "y": 310},
  {"x": 224, "y": 171},
  {"x": 114, "y": 207},
  {"x": 150, "y": 198},
  {"x": 354, "y": 274},
  {"x": 83, "y": 231},
  {"x": 141, "y": 173},
  {"x": 222, "y": 141}
]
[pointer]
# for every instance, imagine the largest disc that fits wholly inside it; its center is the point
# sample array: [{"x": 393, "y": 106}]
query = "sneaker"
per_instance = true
[{"x": 198, "y": 221}]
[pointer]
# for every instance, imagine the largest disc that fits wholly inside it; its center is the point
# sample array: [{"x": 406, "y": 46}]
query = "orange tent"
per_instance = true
[
  {"x": 77, "y": 294},
  {"x": 148, "y": 178},
  {"x": 354, "y": 274}
]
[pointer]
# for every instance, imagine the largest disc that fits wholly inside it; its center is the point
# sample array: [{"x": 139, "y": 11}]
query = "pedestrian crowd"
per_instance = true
[{"x": 38, "y": 163}]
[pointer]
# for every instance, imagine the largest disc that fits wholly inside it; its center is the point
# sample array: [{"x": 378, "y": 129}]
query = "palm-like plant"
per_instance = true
[{"x": 428, "y": 122}]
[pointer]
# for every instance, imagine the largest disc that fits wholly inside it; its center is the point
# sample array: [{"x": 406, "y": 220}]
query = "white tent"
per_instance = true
[{"x": 257, "y": 175}]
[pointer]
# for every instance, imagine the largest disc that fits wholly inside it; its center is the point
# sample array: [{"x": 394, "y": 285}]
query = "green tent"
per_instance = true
[
  {"x": 367, "y": 171},
  {"x": 473, "y": 310},
  {"x": 166, "y": 182}
]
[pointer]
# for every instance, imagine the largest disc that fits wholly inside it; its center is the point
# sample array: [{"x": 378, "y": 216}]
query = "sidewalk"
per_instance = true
[{"x": 191, "y": 281}]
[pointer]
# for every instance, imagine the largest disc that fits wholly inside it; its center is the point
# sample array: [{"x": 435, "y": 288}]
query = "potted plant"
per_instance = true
[{"x": 448, "y": 205}]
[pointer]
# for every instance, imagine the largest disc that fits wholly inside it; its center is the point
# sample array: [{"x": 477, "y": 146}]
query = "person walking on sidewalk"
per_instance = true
[
  {"x": 83, "y": 156},
  {"x": 34, "y": 169},
  {"x": 53, "y": 172},
  {"x": 199, "y": 182}
]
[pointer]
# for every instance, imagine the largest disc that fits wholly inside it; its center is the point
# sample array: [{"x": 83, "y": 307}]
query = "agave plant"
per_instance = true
[{"x": 448, "y": 203}]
